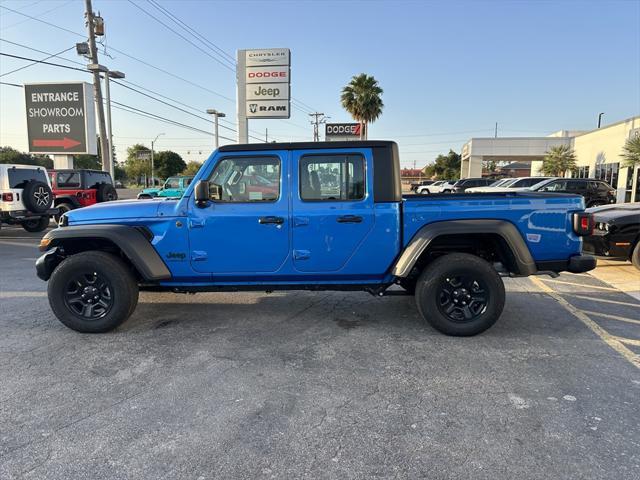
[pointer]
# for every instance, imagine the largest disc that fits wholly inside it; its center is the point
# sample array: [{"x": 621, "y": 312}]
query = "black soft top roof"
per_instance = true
[{"x": 305, "y": 145}]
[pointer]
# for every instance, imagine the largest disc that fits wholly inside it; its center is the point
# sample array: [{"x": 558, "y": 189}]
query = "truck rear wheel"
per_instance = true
[
  {"x": 460, "y": 294},
  {"x": 92, "y": 292}
]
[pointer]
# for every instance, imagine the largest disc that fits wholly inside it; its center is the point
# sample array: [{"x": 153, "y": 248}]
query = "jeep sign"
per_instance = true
[
  {"x": 268, "y": 91},
  {"x": 60, "y": 118}
]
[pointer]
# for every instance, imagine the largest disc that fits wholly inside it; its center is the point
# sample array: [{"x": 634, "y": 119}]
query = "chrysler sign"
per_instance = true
[{"x": 267, "y": 57}]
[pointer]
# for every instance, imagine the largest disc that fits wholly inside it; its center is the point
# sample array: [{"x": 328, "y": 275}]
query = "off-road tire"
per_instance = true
[
  {"x": 433, "y": 282},
  {"x": 37, "y": 196},
  {"x": 63, "y": 208},
  {"x": 635, "y": 255},
  {"x": 36, "y": 225},
  {"x": 122, "y": 284},
  {"x": 106, "y": 193}
]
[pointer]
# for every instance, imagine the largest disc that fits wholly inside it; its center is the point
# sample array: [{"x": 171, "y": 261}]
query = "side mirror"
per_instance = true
[{"x": 204, "y": 192}]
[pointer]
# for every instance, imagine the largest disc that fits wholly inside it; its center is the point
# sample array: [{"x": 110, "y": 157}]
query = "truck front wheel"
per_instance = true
[
  {"x": 460, "y": 294},
  {"x": 92, "y": 292}
]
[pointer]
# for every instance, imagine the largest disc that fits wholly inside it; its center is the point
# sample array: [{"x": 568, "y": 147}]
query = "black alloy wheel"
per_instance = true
[
  {"x": 89, "y": 295},
  {"x": 463, "y": 298}
]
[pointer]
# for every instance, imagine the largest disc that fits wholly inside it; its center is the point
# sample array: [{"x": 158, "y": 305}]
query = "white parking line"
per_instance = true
[
  {"x": 581, "y": 285},
  {"x": 609, "y": 339},
  {"x": 16, "y": 244},
  {"x": 22, "y": 294},
  {"x": 604, "y": 300},
  {"x": 613, "y": 317},
  {"x": 629, "y": 341}
]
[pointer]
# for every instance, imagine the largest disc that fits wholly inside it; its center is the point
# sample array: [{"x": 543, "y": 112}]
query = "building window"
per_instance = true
[
  {"x": 581, "y": 172},
  {"x": 608, "y": 172}
]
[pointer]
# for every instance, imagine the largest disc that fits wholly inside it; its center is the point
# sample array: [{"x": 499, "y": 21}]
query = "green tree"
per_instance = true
[
  {"x": 191, "y": 168},
  {"x": 631, "y": 152},
  {"x": 558, "y": 160},
  {"x": 91, "y": 162},
  {"x": 168, "y": 164},
  {"x": 136, "y": 167},
  {"x": 361, "y": 97},
  {"x": 446, "y": 167},
  {"x": 11, "y": 155}
]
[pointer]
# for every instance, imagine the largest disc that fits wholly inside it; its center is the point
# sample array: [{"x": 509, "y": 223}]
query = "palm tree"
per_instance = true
[
  {"x": 558, "y": 160},
  {"x": 631, "y": 152},
  {"x": 361, "y": 98}
]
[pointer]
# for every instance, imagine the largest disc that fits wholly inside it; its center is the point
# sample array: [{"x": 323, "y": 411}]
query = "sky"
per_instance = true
[{"x": 449, "y": 69}]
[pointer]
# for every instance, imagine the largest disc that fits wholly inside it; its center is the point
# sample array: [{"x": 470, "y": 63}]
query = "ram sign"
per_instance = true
[
  {"x": 342, "y": 131},
  {"x": 60, "y": 118}
]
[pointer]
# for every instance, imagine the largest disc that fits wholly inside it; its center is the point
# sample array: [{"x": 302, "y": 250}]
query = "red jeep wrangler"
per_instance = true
[{"x": 80, "y": 188}]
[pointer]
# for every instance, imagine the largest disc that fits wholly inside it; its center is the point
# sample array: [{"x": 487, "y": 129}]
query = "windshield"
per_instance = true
[{"x": 439, "y": 182}]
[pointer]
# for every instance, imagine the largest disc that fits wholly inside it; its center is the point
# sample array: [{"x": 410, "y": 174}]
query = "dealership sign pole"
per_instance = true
[
  {"x": 61, "y": 120},
  {"x": 263, "y": 86}
]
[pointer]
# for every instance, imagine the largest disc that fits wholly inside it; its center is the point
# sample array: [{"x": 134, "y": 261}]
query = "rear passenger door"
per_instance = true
[{"x": 332, "y": 207}]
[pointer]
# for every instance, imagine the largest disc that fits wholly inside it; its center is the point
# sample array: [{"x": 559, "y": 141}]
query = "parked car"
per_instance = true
[
  {"x": 334, "y": 218},
  {"x": 461, "y": 185},
  {"x": 424, "y": 189},
  {"x": 173, "y": 187},
  {"x": 441, "y": 186},
  {"x": 506, "y": 185},
  {"x": 80, "y": 188},
  {"x": 416, "y": 185},
  {"x": 595, "y": 192},
  {"x": 26, "y": 198},
  {"x": 617, "y": 233}
]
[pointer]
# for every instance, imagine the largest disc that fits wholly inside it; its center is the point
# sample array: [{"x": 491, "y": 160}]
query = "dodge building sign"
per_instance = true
[{"x": 60, "y": 118}]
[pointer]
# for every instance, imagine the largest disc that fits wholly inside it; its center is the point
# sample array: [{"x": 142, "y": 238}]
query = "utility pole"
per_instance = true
[
  {"x": 97, "y": 89},
  {"x": 600, "y": 119},
  {"x": 495, "y": 135},
  {"x": 216, "y": 114},
  {"x": 266, "y": 135},
  {"x": 318, "y": 119}
]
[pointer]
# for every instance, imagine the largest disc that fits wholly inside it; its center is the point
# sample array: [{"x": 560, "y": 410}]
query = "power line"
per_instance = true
[
  {"x": 193, "y": 32},
  {"x": 39, "y": 15},
  {"x": 181, "y": 36},
  {"x": 35, "y": 63},
  {"x": 43, "y": 62},
  {"x": 42, "y": 21},
  {"x": 41, "y": 51}
]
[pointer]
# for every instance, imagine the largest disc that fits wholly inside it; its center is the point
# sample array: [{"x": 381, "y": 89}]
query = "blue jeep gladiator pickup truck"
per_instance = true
[{"x": 318, "y": 216}]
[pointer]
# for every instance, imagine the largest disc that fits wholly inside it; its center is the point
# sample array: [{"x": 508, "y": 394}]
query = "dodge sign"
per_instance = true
[
  {"x": 342, "y": 131},
  {"x": 60, "y": 118}
]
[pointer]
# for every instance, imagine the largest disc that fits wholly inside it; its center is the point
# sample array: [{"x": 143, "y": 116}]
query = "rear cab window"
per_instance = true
[
  {"x": 93, "y": 179},
  {"x": 333, "y": 177},
  {"x": 18, "y": 177}
]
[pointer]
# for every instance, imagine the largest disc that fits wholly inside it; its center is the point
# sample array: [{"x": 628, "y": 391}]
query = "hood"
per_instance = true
[
  {"x": 117, "y": 210},
  {"x": 607, "y": 213}
]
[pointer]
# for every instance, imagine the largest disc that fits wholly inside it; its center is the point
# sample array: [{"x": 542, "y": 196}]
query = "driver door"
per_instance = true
[{"x": 246, "y": 232}]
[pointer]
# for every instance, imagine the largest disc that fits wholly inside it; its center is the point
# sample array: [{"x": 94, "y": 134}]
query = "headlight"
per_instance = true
[{"x": 602, "y": 226}]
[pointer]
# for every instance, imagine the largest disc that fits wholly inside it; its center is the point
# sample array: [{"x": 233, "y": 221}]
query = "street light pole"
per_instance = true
[
  {"x": 216, "y": 114},
  {"x": 600, "y": 118},
  {"x": 153, "y": 183},
  {"x": 110, "y": 74}
]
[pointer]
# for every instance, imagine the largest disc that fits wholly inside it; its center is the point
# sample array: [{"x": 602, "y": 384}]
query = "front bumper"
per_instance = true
[
  {"x": 608, "y": 245},
  {"x": 26, "y": 214},
  {"x": 47, "y": 262}
]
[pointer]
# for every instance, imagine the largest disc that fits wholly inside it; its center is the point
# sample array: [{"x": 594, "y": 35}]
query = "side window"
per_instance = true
[
  {"x": 248, "y": 179},
  {"x": 558, "y": 186},
  {"x": 68, "y": 180},
  {"x": 332, "y": 177},
  {"x": 187, "y": 182},
  {"x": 172, "y": 183},
  {"x": 575, "y": 186}
]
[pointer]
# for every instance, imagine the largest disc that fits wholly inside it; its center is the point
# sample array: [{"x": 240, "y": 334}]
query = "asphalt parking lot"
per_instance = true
[{"x": 319, "y": 385}]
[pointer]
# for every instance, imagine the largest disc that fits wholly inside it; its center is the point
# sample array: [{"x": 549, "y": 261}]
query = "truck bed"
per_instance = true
[{"x": 543, "y": 219}]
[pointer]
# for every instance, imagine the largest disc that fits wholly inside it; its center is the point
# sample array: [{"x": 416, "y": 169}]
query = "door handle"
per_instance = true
[
  {"x": 271, "y": 220},
  {"x": 350, "y": 219}
]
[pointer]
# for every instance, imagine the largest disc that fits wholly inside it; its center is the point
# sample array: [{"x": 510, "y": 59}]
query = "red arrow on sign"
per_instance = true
[{"x": 64, "y": 143}]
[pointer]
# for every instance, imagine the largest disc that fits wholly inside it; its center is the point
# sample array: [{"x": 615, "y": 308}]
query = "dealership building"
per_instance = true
[{"x": 597, "y": 154}]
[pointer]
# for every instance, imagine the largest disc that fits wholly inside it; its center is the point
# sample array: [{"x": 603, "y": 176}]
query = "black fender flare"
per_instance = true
[
  {"x": 506, "y": 230},
  {"x": 132, "y": 241},
  {"x": 71, "y": 199}
]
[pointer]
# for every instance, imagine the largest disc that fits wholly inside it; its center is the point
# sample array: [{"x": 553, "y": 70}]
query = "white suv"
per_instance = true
[{"x": 25, "y": 197}]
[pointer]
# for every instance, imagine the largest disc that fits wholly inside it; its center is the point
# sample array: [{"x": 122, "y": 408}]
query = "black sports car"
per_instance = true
[{"x": 616, "y": 234}]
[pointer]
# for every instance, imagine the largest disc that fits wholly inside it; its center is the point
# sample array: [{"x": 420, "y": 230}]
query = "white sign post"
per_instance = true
[{"x": 263, "y": 86}]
